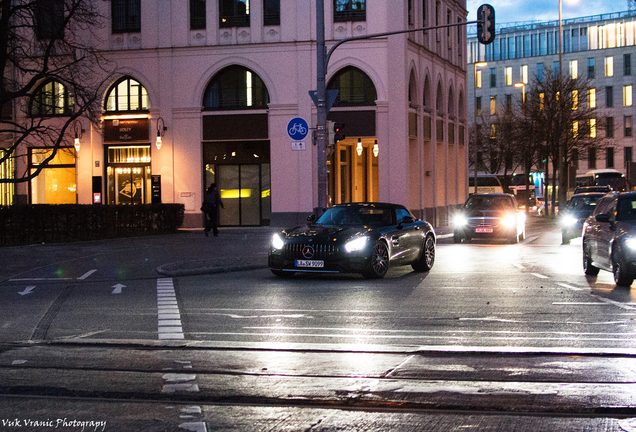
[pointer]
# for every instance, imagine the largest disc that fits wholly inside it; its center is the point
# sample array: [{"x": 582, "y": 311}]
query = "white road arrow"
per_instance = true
[
  {"x": 27, "y": 290},
  {"x": 118, "y": 288}
]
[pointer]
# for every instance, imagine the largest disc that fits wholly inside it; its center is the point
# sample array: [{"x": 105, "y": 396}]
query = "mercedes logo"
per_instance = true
[{"x": 308, "y": 251}]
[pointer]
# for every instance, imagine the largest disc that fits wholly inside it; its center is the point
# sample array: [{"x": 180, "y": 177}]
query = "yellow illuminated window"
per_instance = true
[
  {"x": 574, "y": 69},
  {"x": 627, "y": 95},
  {"x": 478, "y": 79},
  {"x": 523, "y": 72},
  {"x": 508, "y": 73},
  {"x": 575, "y": 129},
  {"x": 493, "y": 105},
  {"x": 609, "y": 66},
  {"x": 591, "y": 97},
  {"x": 575, "y": 100},
  {"x": 593, "y": 128}
]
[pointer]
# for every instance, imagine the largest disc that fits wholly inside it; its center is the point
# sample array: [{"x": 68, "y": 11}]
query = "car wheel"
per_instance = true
[
  {"x": 282, "y": 274},
  {"x": 587, "y": 262},
  {"x": 427, "y": 256},
  {"x": 514, "y": 238},
  {"x": 621, "y": 278},
  {"x": 457, "y": 238},
  {"x": 379, "y": 261}
]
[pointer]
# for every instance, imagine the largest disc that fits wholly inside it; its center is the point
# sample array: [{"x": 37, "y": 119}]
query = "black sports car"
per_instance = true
[{"x": 362, "y": 238}]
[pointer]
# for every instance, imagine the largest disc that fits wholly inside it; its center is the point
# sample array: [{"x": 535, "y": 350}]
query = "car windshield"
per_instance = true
[
  {"x": 489, "y": 202},
  {"x": 626, "y": 209},
  {"x": 583, "y": 203},
  {"x": 352, "y": 215}
]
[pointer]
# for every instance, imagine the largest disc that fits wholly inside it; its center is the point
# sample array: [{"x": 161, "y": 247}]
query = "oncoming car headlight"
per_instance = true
[
  {"x": 460, "y": 220},
  {"x": 356, "y": 244},
  {"x": 630, "y": 242},
  {"x": 509, "y": 221},
  {"x": 568, "y": 221},
  {"x": 277, "y": 242}
]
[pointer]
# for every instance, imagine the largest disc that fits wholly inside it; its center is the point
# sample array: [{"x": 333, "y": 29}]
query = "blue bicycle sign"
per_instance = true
[{"x": 297, "y": 128}]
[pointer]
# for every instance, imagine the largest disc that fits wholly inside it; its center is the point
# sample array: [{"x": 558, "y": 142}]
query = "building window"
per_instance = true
[
  {"x": 628, "y": 126},
  {"x": 7, "y": 190},
  {"x": 508, "y": 75},
  {"x": 49, "y": 19},
  {"x": 591, "y": 158},
  {"x": 628, "y": 155},
  {"x": 508, "y": 103},
  {"x": 627, "y": 95},
  {"x": 523, "y": 74},
  {"x": 56, "y": 183},
  {"x": 235, "y": 88},
  {"x": 591, "y": 98},
  {"x": 574, "y": 69},
  {"x": 609, "y": 157},
  {"x": 627, "y": 64},
  {"x": 478, "y": 105},
  {"x": 575, "y": 100},
  {"x": 355, "y": 88},
  {"x": 234, "y": 13},
  {"x": 127, "y": 95},
  {"x": 349, "y": 10},
  {"x": 609, "y": 96},
  {"x": 493, "y": 77},
  {"x": 126, "y": 16},
  {"x": 609, "y": 66},
  {"x": 478, "y": 79},
  {"x": 540, "y": 72},
  {"x": 590, "y": 68},
  {"x": 51, "y": 99},
  {"x": 493, "y": 105},
  {"x": 271, "y": 10},
  {"x": 197, "y": 14},
  {"x": 592, "y": 128},
  {"x": 609, "y": 127}
]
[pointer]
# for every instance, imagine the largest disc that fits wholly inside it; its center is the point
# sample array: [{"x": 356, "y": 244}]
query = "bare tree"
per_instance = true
[{"x": 47, "y": 41}]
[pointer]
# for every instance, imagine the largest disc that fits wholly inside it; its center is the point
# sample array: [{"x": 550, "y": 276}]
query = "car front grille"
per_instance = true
[
  {"x": 294, "y": 251},
  {"x": 484, "y": 222}
]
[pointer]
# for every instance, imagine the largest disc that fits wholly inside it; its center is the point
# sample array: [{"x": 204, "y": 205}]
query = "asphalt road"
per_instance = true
[{"x": 495, "y": 337}]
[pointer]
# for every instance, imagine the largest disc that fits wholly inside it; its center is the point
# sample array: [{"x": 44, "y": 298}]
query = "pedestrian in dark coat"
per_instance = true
[{"x": 211, "y": 203}]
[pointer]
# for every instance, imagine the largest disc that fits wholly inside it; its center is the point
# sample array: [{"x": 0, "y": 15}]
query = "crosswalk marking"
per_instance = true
[{"x": 168, "y": 315}]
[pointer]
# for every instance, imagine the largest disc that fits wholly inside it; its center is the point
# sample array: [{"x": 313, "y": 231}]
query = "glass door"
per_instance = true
[{"x": 240, "y": 187}]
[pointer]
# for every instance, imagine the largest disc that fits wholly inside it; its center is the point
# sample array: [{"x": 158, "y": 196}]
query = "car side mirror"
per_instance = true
[
  {"x": 408, "y": 219},
  {"x": 602, "y": 217},
  {"x": 311, "y": 218}
]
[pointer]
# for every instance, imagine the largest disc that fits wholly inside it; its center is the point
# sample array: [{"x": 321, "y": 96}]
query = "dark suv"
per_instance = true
[{"x": 609, "y": 238}]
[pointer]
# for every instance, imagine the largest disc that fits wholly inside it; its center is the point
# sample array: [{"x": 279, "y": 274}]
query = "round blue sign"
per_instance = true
[{"x": 297, "y": 128}]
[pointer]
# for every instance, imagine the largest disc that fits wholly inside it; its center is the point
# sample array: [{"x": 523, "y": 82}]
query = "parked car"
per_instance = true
[
  {"x": 490, "y": 216},
  {"x": 365, "y": 238},
  {"x": 583, "y": 189},
  {"x": 609, "y": 238},
  {"x": 578, "y": 208}
]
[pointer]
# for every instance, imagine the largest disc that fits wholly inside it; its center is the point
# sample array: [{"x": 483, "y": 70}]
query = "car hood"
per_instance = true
[
  {"x": 321, "y": 233},
  {"x": 487, "y": 213}
]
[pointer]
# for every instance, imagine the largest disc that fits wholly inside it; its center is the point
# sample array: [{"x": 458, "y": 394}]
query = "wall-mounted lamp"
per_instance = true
[
  {"x": 359, "y": 147},
  {"x": 376, "y": 149},
  {"x": 77, "y": 128},
  {"x": 161, "y": 130}
]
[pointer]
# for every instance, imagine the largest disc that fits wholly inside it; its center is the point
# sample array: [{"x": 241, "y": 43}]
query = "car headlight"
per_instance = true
[
  {"x": 630, "y": 243},
  {"x": 568, "y": 221},
  {"x": 460, "y": 221},
  {"x": 277, "y": 242},
  {"x": 509, "y": 221},
  {"x": 356, "y": 244}
]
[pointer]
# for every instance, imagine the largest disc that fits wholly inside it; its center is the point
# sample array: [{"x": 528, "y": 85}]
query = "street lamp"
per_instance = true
[{"x": 478, "y": 64}]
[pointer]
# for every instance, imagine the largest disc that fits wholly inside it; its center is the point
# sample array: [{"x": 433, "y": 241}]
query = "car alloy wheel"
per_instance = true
[
  {"x": 587, "y": 262},
  {"x": 427, "y": 256},
  {"x": 379, "y": 264},
  {"x": 621, "y": 278}
]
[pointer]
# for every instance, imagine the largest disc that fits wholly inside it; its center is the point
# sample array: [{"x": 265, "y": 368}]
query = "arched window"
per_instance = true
[
  {"x": 451, "y": 102},
  {"x": 236, "y": 88},
  {"x": 412, "y": 90},
  {"x": 126, "y": 95},
  {"x": 426, "y": 100},
  {"x": 51, "y": 99},
  {"x": 439, "y": 104},
  {"x": 462, "y": 107},
  {"x": 355, "y": 88}
]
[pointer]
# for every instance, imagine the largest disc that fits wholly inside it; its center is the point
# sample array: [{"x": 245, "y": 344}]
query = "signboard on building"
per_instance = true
[{"x": 127, "y": 130}]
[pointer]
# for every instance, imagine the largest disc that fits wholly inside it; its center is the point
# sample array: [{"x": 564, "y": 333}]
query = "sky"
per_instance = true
[{"x": 507, "y": 11}]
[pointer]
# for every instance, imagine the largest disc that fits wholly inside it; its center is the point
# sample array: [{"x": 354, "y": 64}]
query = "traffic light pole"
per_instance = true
[{"x": 322, "y": 61}]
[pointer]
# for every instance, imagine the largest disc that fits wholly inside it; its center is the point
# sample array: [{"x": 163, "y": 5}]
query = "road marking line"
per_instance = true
[
  {"x": 539, "y": 275},
  {"x": 614, "y": 303},
  {"x": 564, "y": 285},
  {"x": 168, "y": 316},
  {"x": 27, "y": 290},
  {"x": 87, "y": 274},
  {"x": 519, "y": 266}
]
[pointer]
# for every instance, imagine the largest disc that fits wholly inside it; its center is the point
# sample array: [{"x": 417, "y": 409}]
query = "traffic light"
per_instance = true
[
  {"x": 485, "y": 24},
  {"x": 339, "y": 135}
]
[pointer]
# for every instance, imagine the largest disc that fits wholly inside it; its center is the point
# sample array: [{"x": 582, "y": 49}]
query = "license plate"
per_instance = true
[
  {"x": 483, "y": 230},
  {"x": 310, "y": 263}
]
